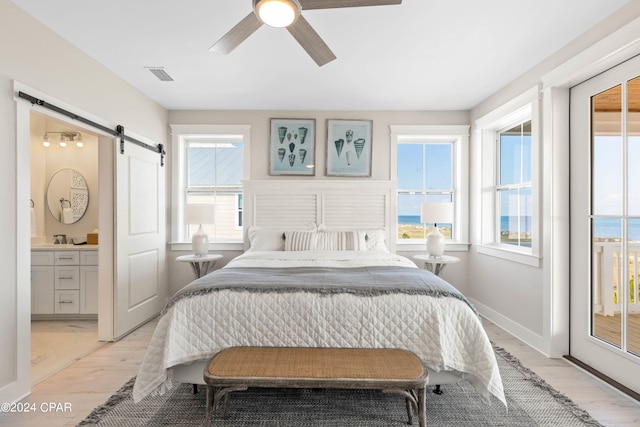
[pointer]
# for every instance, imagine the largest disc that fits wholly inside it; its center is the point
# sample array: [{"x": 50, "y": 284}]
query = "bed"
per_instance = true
[{"x": 312, "y": 295}]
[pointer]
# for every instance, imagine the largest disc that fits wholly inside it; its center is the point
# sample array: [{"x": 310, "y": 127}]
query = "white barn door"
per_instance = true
[{"x": 141, "y": 287}]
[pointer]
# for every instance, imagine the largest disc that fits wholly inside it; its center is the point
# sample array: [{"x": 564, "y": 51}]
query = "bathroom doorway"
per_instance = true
[{"x": 65, "y": 195}]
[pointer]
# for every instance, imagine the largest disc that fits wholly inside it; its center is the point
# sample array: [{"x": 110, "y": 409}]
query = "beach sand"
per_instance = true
[{"x": 413, "y": 231}]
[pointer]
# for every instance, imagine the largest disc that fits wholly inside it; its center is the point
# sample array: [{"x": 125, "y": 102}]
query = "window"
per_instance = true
[
  {"x": 430, "y": 163},
  {"x": 425, "y": 174},
  {"x": 513, "y": 189},
  {"x": 210, "y": 163},
  {"x": 214, "y": 176},
  {"x": 506, "y": 170}
]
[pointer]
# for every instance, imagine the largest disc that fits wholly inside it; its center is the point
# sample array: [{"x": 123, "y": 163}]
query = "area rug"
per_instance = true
[{"x": 532, "y": 402}]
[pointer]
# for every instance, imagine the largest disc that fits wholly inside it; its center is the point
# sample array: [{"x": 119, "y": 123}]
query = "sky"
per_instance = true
[
  {"x": 607, "y": 175},
  {"x": 413, "y": 159}
]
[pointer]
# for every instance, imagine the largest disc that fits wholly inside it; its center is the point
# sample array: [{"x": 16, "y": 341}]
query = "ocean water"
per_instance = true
[
  {"x": 415, "y": 220},
  {"x": 409, "y": 219},
  {"x": 612, "y": 228},
  {"x": 603, "y": 227}
]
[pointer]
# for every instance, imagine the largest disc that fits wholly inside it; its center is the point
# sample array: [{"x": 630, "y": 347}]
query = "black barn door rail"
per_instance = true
[{"x": 118, "y": 132}]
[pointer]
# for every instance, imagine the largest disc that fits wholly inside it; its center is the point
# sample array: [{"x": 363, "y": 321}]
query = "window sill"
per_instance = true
[
  {"x": 213, "y": 246},
  {"x": 514, "y": 255},
  {"x": 421, "y": 246}
]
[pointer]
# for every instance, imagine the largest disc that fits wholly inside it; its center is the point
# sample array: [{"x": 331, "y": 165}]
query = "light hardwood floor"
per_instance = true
[{"x": 90, "y": 381}]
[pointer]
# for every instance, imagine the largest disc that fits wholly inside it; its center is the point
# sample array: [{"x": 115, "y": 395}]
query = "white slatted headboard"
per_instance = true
[{"x": 345, "y": 204}]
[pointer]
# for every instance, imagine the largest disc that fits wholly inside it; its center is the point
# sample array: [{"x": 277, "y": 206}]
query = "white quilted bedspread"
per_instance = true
[{"x": 444, "y": 332}]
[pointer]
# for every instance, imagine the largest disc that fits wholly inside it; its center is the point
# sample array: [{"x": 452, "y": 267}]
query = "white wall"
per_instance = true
[
  {"x": 78, "y": 81},
  {"x": 531, "y": 302}
]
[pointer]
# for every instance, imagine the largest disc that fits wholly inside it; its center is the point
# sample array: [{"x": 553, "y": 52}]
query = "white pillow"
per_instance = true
[
  {"x": 300, "y": 240},
  {"x": 269, "y": 238},
  {"x": 375, "y": 240}
]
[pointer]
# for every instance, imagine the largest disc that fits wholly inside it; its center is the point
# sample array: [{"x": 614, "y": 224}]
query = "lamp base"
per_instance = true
[
  {"x": 435, "y": 243},
  {"x": 200, "y": 242}
]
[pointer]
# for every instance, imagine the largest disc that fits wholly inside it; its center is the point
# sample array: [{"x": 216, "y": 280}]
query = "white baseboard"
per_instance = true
[{"x": 527, "y": 336}]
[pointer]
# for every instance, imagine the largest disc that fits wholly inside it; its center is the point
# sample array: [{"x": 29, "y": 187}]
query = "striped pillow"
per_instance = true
[
  {"x": 341, "y": 241},
  {"x": 374, "y": 240},
  {"x": 300, "y": 240}
]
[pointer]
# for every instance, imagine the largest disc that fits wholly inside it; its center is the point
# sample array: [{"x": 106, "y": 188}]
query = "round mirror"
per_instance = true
[{"x": 67, "y": 196}]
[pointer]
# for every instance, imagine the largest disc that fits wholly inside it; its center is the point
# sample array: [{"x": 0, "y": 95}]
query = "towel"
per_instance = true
[
  {"x": 33, "y": 223},
  {"x": 66, "y": 217}
]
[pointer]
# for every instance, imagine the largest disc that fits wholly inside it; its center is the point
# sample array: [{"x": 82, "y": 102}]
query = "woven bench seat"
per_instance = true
[{"x": 389, "y": 370}]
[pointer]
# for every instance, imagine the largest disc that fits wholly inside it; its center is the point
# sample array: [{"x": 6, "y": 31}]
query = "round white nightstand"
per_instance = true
[
  {"x": 436, "y": 264},
  {"x": 200, "y": 263}
]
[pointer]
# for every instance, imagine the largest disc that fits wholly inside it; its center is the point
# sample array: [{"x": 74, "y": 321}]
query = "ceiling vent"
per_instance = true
[{"x": 160, "y": 73}]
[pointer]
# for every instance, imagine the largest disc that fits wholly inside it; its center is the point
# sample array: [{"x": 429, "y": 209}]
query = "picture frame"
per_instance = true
[
  {"x": 349, "y": 147},
  {"x": 292, "y": 147}
]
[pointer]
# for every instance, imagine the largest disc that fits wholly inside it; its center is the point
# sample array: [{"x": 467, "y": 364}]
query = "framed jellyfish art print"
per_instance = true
[
  {"x": 293, "y": 147},
  {"x": 349, "y": 147}
]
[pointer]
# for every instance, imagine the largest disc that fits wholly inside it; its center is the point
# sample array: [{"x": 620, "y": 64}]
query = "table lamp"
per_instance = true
[
  {"x": 199, "y": 213},
  {"x": 436, "y": 212}
]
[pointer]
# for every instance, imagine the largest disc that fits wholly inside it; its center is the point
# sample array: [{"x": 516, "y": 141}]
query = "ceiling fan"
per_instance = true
[{"x": 287, "y": 13}]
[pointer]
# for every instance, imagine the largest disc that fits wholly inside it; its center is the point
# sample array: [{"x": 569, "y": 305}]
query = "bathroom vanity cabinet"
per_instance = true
[{"x": 64, "y": 282}]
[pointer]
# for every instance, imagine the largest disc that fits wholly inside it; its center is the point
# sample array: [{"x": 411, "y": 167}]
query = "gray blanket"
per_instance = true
[{"x": 362, "y": 281}]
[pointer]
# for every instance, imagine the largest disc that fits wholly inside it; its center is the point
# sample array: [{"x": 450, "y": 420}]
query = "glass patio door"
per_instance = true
[{"x": 605, "y": 223}]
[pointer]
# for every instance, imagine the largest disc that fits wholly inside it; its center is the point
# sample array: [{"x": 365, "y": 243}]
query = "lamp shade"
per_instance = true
[
  {"x": 199, "y": 213},
  {"x": 436, "y": 212}
]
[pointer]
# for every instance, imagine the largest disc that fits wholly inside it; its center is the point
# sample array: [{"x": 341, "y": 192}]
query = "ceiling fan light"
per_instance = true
[{"x": 277, "y": 13}]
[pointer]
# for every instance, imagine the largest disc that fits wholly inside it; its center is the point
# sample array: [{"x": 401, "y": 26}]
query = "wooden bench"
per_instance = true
[{"x": 389, "y": 370}]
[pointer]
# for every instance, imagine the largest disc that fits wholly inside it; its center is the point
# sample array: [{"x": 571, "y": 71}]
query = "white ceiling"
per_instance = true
[{"x": 420, "y": 55}]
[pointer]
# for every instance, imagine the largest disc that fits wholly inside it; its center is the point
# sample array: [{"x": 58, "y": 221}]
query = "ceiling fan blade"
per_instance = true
[
  {"x": 310, "y": 41},
  {"x": 237, "y": 34},
  {"x": 331, "y": 4}
]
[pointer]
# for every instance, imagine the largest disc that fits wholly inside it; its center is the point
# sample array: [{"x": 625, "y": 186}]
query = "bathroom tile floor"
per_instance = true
[{"x": 56, "y": 344}]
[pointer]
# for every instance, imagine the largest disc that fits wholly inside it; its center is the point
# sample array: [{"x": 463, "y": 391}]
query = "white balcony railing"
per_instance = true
[{"x": 607, "y": 278}]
